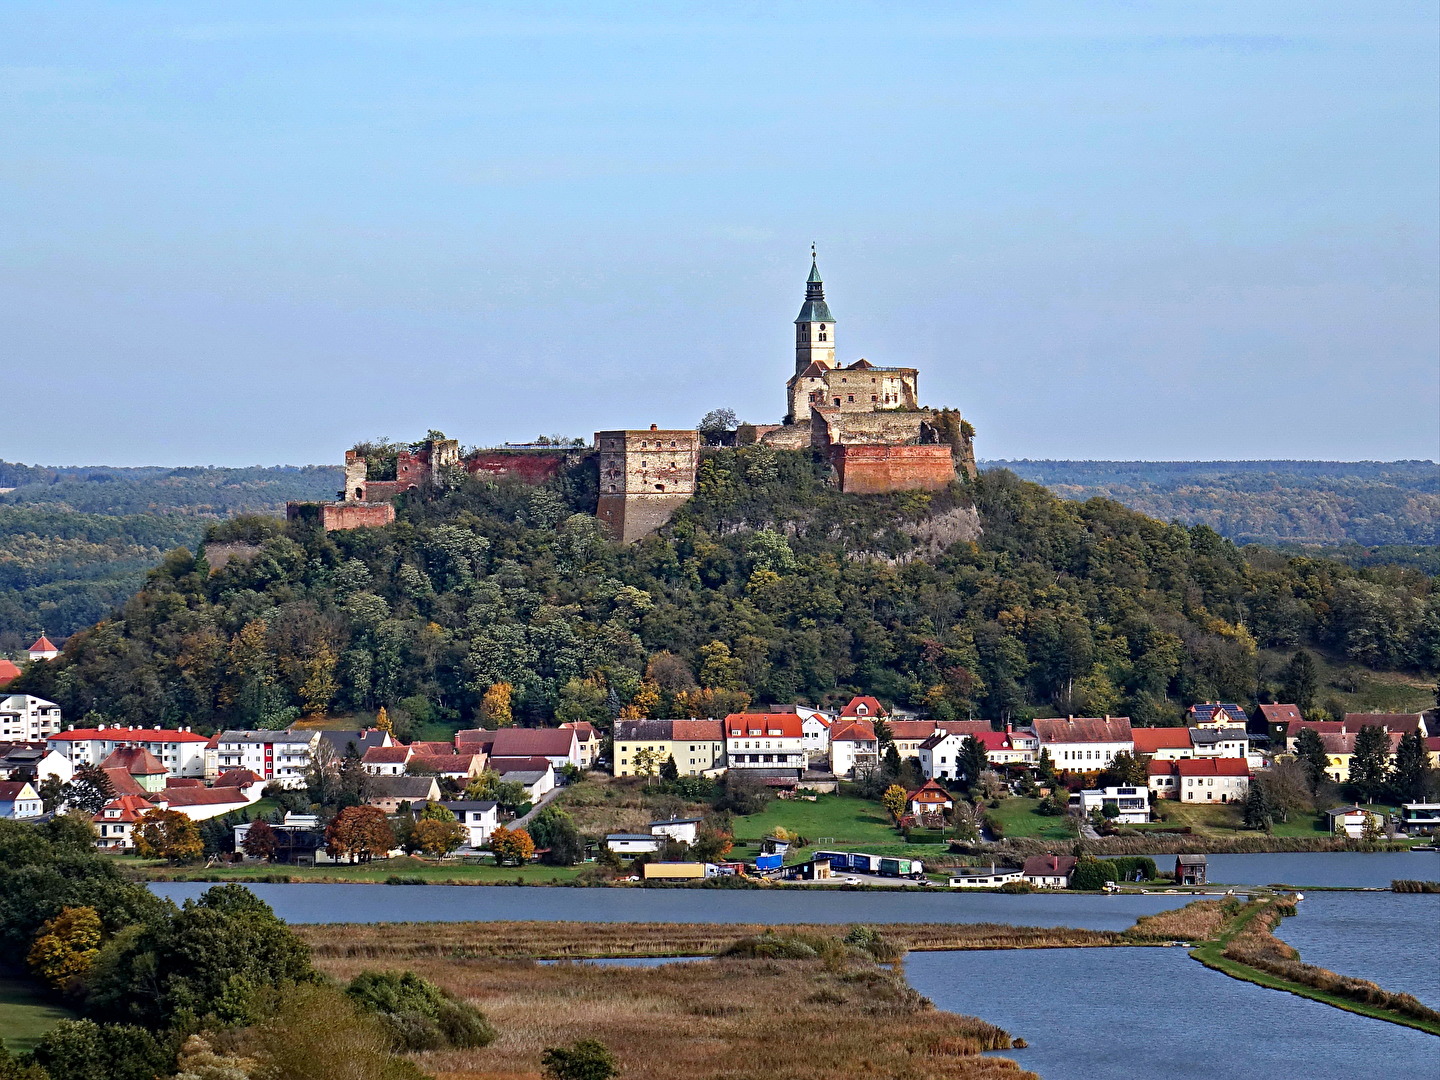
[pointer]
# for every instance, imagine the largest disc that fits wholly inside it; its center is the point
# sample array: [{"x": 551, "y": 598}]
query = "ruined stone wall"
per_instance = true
[
  {"x": 892, "y": 428},
  {"x": 875, "y": 469},
  {"x": 346, "y": 515},
  {"x": 354, "y": 489},
  {"x": 528, "y": 466},
  {"x": 644, "y": 476}
]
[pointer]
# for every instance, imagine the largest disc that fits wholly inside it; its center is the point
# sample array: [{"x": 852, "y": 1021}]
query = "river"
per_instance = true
[{"x": 1115, "y": 1014}]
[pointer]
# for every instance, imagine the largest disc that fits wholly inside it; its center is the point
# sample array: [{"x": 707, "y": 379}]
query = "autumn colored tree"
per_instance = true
[
  {"x": 439, "y": 838},
  {"x": 495, "y": 708},
  {"x": 384, "y": 723},
  {"x": 894, "y": 801},
  {"x": 511, "y": 845},
  {"x": 359, "y": 833},
  {"x": 169, "y": 835},
  {"x": 259, "y": 842},
  {"x": 66, "y": 946}
]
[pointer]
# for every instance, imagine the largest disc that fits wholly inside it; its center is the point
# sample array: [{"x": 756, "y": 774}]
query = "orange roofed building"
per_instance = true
[{"x": 771, "y": 745}]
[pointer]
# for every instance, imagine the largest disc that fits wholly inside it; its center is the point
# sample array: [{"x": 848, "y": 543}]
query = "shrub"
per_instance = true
[
  {"x": 1402, "y": 885},
  {"x": 587, "y": 1059},
  {"x": 1092, "y": 874},
  {"x": 1020, "y": 886},
  {"x": 417, "y": 1014}
]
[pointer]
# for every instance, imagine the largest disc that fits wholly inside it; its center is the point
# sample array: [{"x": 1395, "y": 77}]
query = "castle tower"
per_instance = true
[
  {"x": 645, "y": 476},
  {"x": 815, "y": 326}
]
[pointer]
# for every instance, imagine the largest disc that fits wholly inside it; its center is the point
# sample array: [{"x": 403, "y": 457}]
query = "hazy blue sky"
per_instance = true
[{"x": 254, "y": 232}]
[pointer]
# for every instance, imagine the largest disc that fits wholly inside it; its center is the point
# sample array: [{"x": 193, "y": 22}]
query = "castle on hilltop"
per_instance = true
[{"x": 865, "y": 419}]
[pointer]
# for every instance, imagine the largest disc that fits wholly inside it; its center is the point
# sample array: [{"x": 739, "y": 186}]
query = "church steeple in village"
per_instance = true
[{"x": 815, "y": 326}]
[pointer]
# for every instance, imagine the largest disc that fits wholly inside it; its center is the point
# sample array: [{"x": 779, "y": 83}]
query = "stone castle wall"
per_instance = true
[
  {"x": 528, "y": 466},
  {"x": 645, "y": 474},
  {"x": 867, "y": 469},
  {"x": 344, "y": 515}
]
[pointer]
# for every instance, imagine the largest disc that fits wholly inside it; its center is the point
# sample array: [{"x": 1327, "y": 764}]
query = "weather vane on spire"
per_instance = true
[{"x": 812, "y": 250}]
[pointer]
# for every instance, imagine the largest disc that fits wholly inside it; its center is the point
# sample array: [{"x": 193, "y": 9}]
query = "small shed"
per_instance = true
[{"x": 1190, "y": 870}]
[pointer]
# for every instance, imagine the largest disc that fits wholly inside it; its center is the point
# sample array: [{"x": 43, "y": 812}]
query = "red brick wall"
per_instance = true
[
  {"x": 524, "y": 465},
  {"x": 873, "y": 470},
  {"x": 356, "y": 515}
]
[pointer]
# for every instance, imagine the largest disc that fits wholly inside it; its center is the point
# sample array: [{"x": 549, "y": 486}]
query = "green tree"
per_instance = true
[
  {"x": 1300, "y": 681},
  {"x": 1370, "y": 763},
  {"x": 1412, "y": 767},
  {"x": 1310, "y": 752},
  {"x": 973, "y": 759},
  {"x": 587, "y": 1059},
  {"x": 1258, "y": 813},
  {"x": 88, "y": 790},
  {"x": 669, "y": 771},
  {"x": 892, "y": 760}
]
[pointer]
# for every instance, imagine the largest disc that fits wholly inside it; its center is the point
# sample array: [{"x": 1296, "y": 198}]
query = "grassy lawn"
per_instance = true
[
  {"x": 842, "y": 820},
  {"x": 377, "y": 871},
  {"x": 1018, "y": 818},
  {"x": 25, "y": 1014}
]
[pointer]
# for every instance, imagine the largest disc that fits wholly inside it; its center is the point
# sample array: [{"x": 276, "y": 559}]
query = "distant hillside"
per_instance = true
[
  {"x": 1265, "y": 502},
  {"x": 76, "y": 542},
  {"x": 194, "y": 490}
]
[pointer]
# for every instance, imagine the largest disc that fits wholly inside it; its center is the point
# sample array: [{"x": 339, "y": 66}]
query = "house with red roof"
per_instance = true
[
  {"x": 1403, "y": 723},
  {"x": 9, "y": 671},
  {"x": 1163, "y": 743},
  {"x": 1203, "y": 780},
  {"x": 1049, "y": 871},
  {"x": 863, "y": 708},
  {"x": 560, "y": 745},
  {"x": 853, "y": 746},
  {"x": 115, "y": 823},
  {"x": 1084, "y": 743},
  {"x": 386, "y": 760},
  {"x": 929, "y": 798},
  {"x": 180, "y": 750},
  {"x": 771, "y": 746},
  {"x": 198, "y": 804},
  {"x": 19, "y": 799},
  {"x": 588, "y": 739},
  {"x": 139, "y": 763}
]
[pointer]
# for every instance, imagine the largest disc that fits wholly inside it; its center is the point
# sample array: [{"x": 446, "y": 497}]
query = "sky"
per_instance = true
[{"x": 255, "y": 233}]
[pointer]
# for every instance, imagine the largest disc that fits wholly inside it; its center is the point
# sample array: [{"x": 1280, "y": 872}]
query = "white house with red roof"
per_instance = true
[
  {"x": 587, "y": 738},
  {"x": 863, "y": 708},
  {"x": 200, "y": 803},
  {"x": 816, "y": 725},
  {"x": 44, "y": 649},
  {"x": 115, "y": 823},
  {"x": 766, "y": 741},
  {"x": 1084, "y": 743},
  {"x": 853, "y": 746},
  {"x": 387, "y": 760},
  {"x": 930, "y": 798},
  {"x": 149, "y": 774},
  {"x": 1203, "y": 780},
  {"x": 26, "y": 718},
  {"x": 180, "y": 750}
]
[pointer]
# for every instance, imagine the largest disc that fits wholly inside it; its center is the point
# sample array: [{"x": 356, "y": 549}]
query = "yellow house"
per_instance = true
[
  {"x": 1339, "y": 749},
  {"x": 698, "y": 746}
]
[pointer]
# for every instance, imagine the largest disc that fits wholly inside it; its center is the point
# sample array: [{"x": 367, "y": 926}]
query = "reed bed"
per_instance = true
[
  {"x": 1409, "y": 886},
  {"x": 1256, "y": 946},
  {"x": 1198, "y": 921},
  {"x": 1161, "y": 843},
  {"x": 725, "y": 1018},
  {"x": 394, "y": 942}
]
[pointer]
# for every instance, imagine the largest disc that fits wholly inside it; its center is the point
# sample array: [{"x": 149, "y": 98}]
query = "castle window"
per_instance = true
[
  {"x": 822, "y": 336},
  {"x": 849, "y": 397},
  {"x": 822, "y": 327},
  {"x": 837, "y": 401},
  {"x": 874, "y": 397},
  {"x": 659, "y": 487}
]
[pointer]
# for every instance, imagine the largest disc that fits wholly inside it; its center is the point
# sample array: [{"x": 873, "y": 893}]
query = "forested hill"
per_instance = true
[
  {"x": 769, "y": 587},
  {"x": 1307, "y": 502},
  {"x": 193, "y": 490}
]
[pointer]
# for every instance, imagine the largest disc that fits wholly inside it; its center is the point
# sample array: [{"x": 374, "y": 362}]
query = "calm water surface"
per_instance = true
[
  {"x": 1390, "y": 938},
  {"x": 460, "y": 903},
  {"x": 1119, "y": 1014},
  {"x": 1336, "y": 869}
]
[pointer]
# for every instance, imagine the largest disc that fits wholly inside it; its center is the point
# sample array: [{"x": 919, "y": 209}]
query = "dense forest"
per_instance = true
[
  {"x": 77, "y": 542},
  {"x": 769, "y": 586},
  {"x": 1315, "y": 502}
]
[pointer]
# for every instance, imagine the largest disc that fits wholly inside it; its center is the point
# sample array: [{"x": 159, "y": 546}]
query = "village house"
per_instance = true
[
  {"x": 386, "y": 760},
  {"x": 768, "y": 745},
  {"x": 1395, "y": 723},
  {"x": 1162, "y": 743},
  {"x": 560, "y": 746},
  {"x": 357, "y": 742},
  {"x": 863, "y": 708},
  {"x": 535, "y": 774},
  {"x": 143, "y": 766},
  {"x": 280, "y": 756},
  {"x": 907, "y": 735},
  {"x": 1217, "y": 714},
  {"x": 201, "y": 803},
  {"x": 940, "y": 756},
  {"x": 9, "y": 672},
  {"x": 978, "y": 877},
  {"x": 388, "y": 792},
  {"x": 1084, "y": 744},
  {"x": 1350, "y": 820},
  {"x": 479, "y": 817},
  {"x": 250, "y": 785},
  {"x": 587, "y": 739},
  {"x": 1219, "y": 741},
  {"x": 181, "y": 751},
  {"x": 854, "y": 748},
  {"x": 683, "y": 830},
  {"x": 1340, "y": 750},
  {"x": 698, "y": 746},
  {"x": 1049, "y": 871},
  {"x": 1420, "y": 817},
  {"x": 18, "y": 799},
  {"x": 815, "y": 725},
  {"x": 1212, "y": 779},
  {"x": 1131, "y": 805},
  {"x": 1277, "y": 720},
  {"x": 461, "y": 768},
  {"x": 298, "y": 839},
  {"x": 634, "y": 843},
  {"x": 929, "y": 798},
  {"x": 34, "y": 761},
  {"x": 26, "y": 718},
  {"x": 115, "y": 823},
  {"x": 1009, "y": 747}
]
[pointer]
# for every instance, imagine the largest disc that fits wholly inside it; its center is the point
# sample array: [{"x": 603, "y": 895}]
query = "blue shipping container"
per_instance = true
[
  {"x": 838, "y": 859},
  {"x": 769, "y": 862}
]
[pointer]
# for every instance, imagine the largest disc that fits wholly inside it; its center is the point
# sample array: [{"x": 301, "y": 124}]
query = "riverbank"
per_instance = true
[{"x": 1244, "y": 947}]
